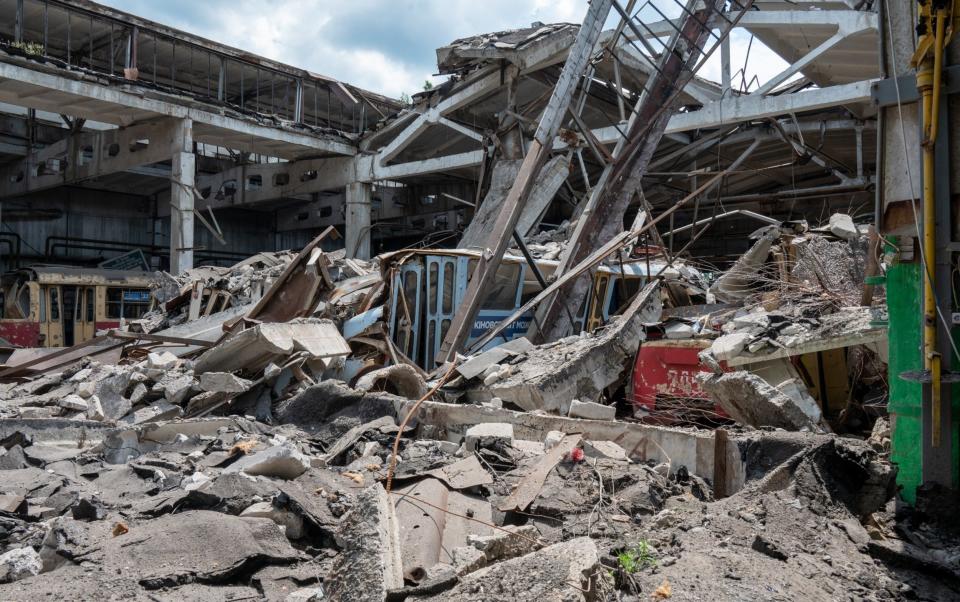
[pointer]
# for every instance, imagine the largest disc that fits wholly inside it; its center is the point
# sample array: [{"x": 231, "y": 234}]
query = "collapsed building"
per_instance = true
[{"x": 578, "y": 323}]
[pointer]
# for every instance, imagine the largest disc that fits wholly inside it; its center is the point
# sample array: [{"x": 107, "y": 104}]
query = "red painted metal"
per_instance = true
[
  {"x": 98, "y": 326},
  {"x": 20, "y": 332},
  {"x": 668, "y": 369}
]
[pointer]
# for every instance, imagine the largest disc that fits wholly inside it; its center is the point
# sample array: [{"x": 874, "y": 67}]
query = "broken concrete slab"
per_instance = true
[
  {"x": 253, "y": 348},
  {"x": 281, "y": 461},
  {"x": 369, "y": 564},
  {"x": 578, "y": 367},
  {"x": 463, "y": 474},
  {"x": 591, "y": 410},
  {"x": 224, "y": 382},
  {"x": 752, "y": 401},
  {"x": 479, "y": 363},
  {"x": 528, "y": 488},
  {"x": 489, "y": 434},
  {"x": 159, "y": 411},
  {"x": 565, "y": 571},
  {"x": 13, "y": 504},
  {"x": 192, "y": 546}
]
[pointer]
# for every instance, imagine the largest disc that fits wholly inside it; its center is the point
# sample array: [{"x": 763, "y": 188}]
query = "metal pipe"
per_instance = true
[
  {"x": 745, "y": 212},
  {"x": 931, "y": 360}
]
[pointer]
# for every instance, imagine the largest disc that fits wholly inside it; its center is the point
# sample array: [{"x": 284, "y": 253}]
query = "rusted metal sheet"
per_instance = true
[
  {"x": 296, "y": 292},
  {"x": 433, "y": 521}
]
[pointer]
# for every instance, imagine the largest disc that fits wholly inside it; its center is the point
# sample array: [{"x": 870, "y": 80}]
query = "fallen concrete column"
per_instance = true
[{"x": 369, "y": 564}]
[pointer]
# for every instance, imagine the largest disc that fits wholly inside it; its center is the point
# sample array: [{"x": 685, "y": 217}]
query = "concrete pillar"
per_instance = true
[
  {"x": 357, "y": 237},
  {"x": 182, "y": 177}
]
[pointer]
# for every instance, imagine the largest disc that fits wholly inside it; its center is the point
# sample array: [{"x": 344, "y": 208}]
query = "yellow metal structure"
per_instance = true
[{"x": 938, "y": 21}]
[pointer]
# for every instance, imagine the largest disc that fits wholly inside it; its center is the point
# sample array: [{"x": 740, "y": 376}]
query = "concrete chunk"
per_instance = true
[
  {"x": 591, "y": 410},
  {"x": 752, "y": 401},
  {"x": 178, "y": 389},
  {"x": 488, "y": 434},
  {"x": 224, "y": 382},
  {"x": 19, "y": 563},
  {"x": 110, "y": 391},
  {"x": 95, "y": 409},
  {"x": 74, "y": 402},
  {"x": 164, "y": 361},
  {"x": 841, "y": 225},
  {"x": 369, "y": 564},
  {"x": 552, "y": 439},
  {"x": 604, "y": 449},
  {"x": 290, "y": 523},
  {"x": 730, "y": 346},
  {"x": 282, "y": 461},
  {"x": 566, "y": 571}
]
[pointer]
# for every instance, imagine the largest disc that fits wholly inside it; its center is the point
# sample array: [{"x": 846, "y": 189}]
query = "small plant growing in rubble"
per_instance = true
[
  {"x": 636, "y": 558},
  {"x": 32, "y": 48}
]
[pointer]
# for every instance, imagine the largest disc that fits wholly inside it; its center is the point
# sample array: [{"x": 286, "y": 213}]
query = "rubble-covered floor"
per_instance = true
[{"x": 232, "y": 509}]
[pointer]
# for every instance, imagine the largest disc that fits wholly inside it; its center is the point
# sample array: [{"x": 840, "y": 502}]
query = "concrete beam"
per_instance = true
[
  {"x": 88, "y": 155},
  {"x": 780, "y": 19},
  {"x": 123, "y": 105},
  {"x": 746, "y": 108}
]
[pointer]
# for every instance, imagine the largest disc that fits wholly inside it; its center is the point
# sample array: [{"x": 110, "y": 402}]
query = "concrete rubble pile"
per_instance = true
[
  {"x": 230, "y": 507},
  {"x": 282, "y": 446}
]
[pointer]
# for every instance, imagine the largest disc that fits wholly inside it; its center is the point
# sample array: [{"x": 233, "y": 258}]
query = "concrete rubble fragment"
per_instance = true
[
  {"x": 752, "y": 401},
  {"x": 370, "y": 564},
  {"x": 281, "y": 461},
  {"x": 19, "y": 563}
]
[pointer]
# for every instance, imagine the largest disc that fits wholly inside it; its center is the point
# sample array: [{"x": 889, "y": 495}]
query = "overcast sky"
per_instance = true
[{"x": 387, "y": 46}]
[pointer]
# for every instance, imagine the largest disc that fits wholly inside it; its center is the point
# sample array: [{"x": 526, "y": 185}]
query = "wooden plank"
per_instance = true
[
  {"x": 140, "y": 336},
  {"x": 720, "y": 442}
]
